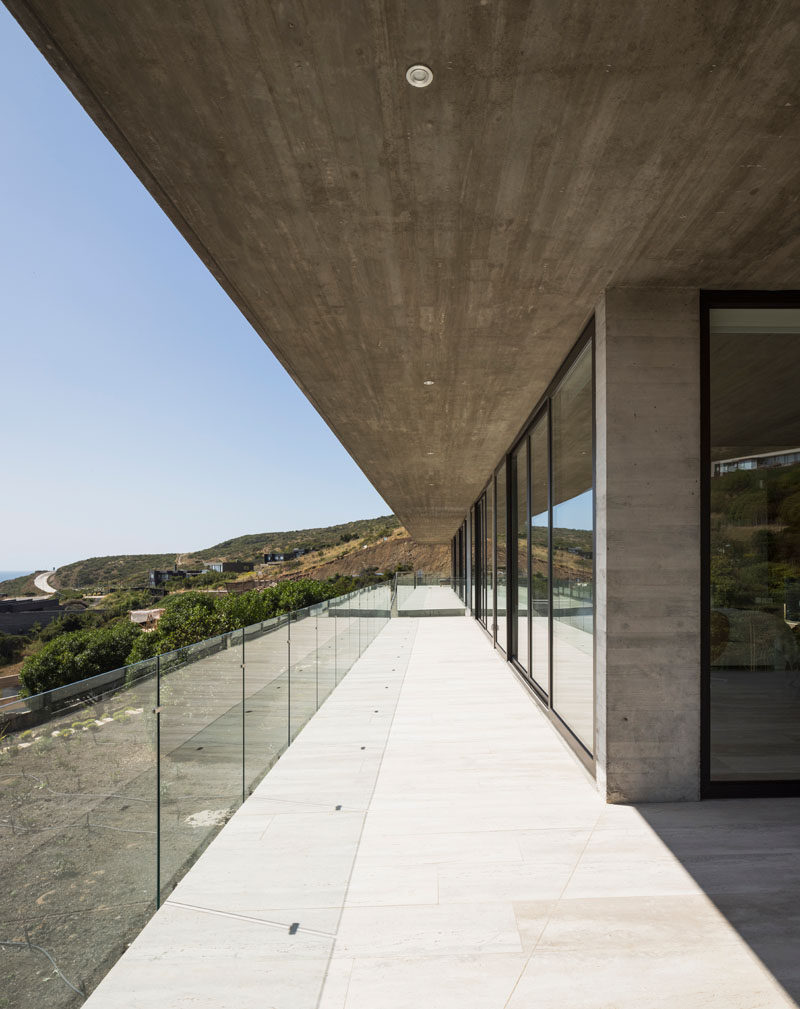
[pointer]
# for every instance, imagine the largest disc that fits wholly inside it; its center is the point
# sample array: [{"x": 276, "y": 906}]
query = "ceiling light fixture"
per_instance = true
[
  {"x": 428, "y": 381},
  {"x": 419, "y": 76}
]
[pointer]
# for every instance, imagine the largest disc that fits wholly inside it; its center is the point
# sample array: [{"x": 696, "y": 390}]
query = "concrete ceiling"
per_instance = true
[{"x": 378, "y": 235}]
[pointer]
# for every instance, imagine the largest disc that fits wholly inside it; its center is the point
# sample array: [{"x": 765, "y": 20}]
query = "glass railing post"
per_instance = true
[
  {"x": 316, "y": 657},
  {"x": 289, "y": 679},
  {"x": 157, "y": 710},
  {"x": 244, "y": 706}
]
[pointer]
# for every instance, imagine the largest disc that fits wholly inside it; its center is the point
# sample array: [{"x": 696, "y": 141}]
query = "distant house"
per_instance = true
[
  {"x": 158, "y": 578},
  {"x": 222, "y": 567},
  {"x": 276, "y": 556}
]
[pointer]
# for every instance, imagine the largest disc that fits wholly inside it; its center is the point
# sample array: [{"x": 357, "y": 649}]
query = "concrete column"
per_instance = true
[{"x": 648, "y": 545}]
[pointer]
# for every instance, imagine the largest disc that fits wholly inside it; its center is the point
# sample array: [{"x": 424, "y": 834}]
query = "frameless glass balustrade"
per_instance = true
[{"x": 111, "y": 788}]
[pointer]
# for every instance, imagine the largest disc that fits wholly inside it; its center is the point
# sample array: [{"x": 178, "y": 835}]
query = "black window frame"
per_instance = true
[
  {"x": 586, "y": 756},
  {"x": 716, "y": 789}
]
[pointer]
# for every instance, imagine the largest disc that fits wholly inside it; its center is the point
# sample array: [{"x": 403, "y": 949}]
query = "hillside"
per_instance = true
[
  {"x": 350, "y": 548},
  {"x": 22, "y": 586},
  {"x": 122, "y": 570},
  {"x": 333, "y": 543},
  {"x": 252, "y": 547},
  {"x": 398, "y": 550}
]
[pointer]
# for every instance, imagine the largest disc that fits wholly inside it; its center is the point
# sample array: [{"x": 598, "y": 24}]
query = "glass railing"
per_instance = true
[{"x": 112, "y": 787}]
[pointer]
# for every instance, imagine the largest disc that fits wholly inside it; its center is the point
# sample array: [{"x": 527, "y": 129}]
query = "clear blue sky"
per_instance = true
[{"x": 140, "y": 412}]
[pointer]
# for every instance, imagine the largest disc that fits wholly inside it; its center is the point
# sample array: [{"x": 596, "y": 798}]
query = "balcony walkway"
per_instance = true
[
  {"x": 428, "y": 841},
  {"x": 428, "y": 601}
]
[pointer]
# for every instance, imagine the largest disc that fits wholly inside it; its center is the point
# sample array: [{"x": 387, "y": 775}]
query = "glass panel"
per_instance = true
[
  {"x": 472, "y": 548},
  {"x": 755, "y": 543},
  {"x": 345, "y": 654},
  {"x": 521, "y": 529},
  {"x": 302, "y": 670},
  {"x": 78, "y": 852},
  {"x": 266, "y": 697},
  {"x": 461, "y": 562},
  {"x": 201, "y": 748},
  {"x": 489, "y": 580},
  {"x": 502, "y": 629},
  {"x": 326, "y": 656},
  {"x": 573, "y": 551},
  {"x": 80, "y": 793},
  {"x": 540, "y": 567},
  {"x": 363, "y": 626}
]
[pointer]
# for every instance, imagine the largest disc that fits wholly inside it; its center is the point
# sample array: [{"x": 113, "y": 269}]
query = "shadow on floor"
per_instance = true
[{"x": 745, "y": 855}]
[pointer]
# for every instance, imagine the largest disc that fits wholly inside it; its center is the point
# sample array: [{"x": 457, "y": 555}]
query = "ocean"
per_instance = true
[{"x": 5, "y": 575}]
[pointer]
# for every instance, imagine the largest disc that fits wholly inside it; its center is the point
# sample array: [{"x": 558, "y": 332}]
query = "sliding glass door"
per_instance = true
[
  {"x": 752, "y": 665},
  {"x": 540, "y": 553},
  {"x": 572, "y": 549},
  {"x": 501, "y": 559},
  {"x": 519, "y": 557}
]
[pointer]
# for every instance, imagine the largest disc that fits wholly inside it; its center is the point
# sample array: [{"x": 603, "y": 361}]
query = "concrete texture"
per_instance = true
[
  {"x": 380, "y": 236},
  {"x": 648, "y": 545},
  {"x": 472, "y": 864}
]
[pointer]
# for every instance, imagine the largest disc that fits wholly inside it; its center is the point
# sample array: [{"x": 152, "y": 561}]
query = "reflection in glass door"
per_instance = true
[
  {"x": 478, "y": 540},
  {"x": 572, "y": 539},
  {"x": 754, "y": 544},
  {"x": 489, "y": 555},
  {"x": 539, "y": 553},
  {"x": 519, "y": 534},
  {"x": 501, "y": 562}
]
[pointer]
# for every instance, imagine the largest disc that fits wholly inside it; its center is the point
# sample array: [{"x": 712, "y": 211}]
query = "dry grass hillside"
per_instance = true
[
  {"x": 353, "y": 548},
  {"x": 359, "y": 556},
  {"x": 395, "y": 551}
]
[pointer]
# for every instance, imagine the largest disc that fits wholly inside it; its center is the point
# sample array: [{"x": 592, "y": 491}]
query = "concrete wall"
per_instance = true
[{"x": 648, "y": 545}]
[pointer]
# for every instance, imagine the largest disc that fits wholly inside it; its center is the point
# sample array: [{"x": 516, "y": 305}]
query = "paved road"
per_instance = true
[{"x": 42, "y": 584}]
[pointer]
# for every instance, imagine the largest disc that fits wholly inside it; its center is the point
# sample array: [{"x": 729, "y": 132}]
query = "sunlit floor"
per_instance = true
[
  {"x": 428, "y": 600},
  {"x": 428, "y": 841}
]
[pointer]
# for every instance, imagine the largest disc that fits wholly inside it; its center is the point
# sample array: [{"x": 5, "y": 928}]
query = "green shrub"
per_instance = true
[
  {"x": 71, "y": 622},
  {"x": 12, "y": 647},
  {"x": 77, "y": 655},
  {"x": 790, "y": 510},
  {"x": 189, "y": 617}
]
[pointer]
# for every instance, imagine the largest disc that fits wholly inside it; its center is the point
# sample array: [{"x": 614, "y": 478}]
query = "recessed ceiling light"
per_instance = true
[
  {"x": 419, "y": 76},
  {"x": 428, "y": 381},
  {"x": 429, "y": 453}
]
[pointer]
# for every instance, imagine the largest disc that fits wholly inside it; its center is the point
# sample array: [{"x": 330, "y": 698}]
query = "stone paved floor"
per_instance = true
[
  {"x": 470, "y": 864},
  {"x": 428, "y": 600}
]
